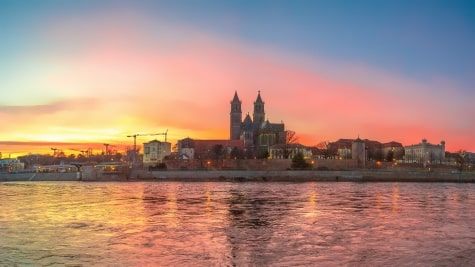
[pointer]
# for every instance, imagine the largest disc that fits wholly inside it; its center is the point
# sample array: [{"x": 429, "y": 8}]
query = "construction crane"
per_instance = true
[
  {"x": 107, "y": 148},
  {"x": 153, "y": 134},
  {"x": 55, "y": 151},
  {"x": 137, "y": 135},
  {"x": 87, "y": 152}
]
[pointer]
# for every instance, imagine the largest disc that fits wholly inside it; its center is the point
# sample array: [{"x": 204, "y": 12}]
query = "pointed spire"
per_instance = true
[
  {"x": 259, "y": 99},
  {"x": 236, "y": 97},
  {"x": 248, "y": 118}
]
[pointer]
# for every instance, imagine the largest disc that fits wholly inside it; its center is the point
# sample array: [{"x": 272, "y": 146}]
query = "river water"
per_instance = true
[{"x": 237, "y": 224}]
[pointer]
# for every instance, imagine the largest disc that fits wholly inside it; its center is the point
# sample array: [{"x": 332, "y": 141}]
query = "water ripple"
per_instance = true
[{"x": 233, "y": 224}]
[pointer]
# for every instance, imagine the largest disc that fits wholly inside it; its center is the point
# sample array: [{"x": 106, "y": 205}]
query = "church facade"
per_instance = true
[{"x": 257, "y": 132}]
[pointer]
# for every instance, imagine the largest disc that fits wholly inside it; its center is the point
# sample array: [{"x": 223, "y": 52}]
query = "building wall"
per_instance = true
[
  {"x": 398, "y": 152},
  {"x": 204, "y": 148},
  {"x": 425, "y": 153},
  {"x": 155, "y": 152},
  {"x": 186, "y": 152},
  {"x": 235, "y": 127},
  {"x": 229, "y": 164},
  {"x": 335, "y": 164},
  {"x": 278, "y": 152},
  {"x": 344, "y": 153},
  {"x": 11, "y": 165},
  {"x": 358, "y": 153}
]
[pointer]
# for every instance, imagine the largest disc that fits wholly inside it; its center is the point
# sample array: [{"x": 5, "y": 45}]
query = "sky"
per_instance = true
[{"x": 77, "y": 74}]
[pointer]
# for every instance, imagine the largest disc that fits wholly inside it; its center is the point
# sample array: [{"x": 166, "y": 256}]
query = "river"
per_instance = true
[{"x": 237, "y": 224}]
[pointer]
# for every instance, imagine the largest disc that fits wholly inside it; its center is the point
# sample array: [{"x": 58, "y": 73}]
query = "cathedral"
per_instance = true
[{"x": 257, "y": 132}]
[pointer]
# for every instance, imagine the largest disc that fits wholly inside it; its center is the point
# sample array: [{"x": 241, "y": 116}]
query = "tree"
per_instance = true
[
  {"x": 299, "y": 162},
  {"x": 323, "y": 145},
  {"x": 290, "y": 139},
  {"x": 399, "y": 154},
  {"x": 218, "y": 152},
  {"x": 325, "y": 150},
  {"x": 263, "y": 154},
  {"x": 390, "y": 156},
  {"x": 237, "y": 153},
  {"x": 461, "y": 159},
  {"x": 249, "y": 154}
]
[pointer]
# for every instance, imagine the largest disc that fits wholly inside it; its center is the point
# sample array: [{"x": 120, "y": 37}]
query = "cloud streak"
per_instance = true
[{"x": 123, "y": 73}]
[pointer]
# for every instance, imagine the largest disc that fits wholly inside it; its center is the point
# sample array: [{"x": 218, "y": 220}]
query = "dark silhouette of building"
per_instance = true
[{"x": 258, "y": 133}]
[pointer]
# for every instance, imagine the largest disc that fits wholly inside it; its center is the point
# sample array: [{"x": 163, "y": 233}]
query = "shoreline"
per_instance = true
[{"x": 252, "y": 176}]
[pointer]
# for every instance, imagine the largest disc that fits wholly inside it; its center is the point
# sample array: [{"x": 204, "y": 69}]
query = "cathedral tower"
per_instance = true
[
  {"x": 235, "y": 118},
  {"x": 259, "y": 115}
]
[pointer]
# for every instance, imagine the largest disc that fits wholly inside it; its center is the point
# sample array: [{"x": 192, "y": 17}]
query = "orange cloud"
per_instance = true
[{"x": 133, "y": 74}]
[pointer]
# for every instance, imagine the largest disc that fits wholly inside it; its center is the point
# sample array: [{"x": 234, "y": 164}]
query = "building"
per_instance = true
[
  {"x": 55, "y": 168},
  {"x": 358, "y": 152},
  {"x": 375, "y": 150},
  {"x": 471, "y": 157},
  {"x": 344, "y": 153},
  {"x": 257, "y": 133},
  {"x": 425, "y": 153},
  {"x": 155, "y": 151},
  {"x": 283, "y": 151},
  {"x": 11, "y": 165},
  {"x": 207, "y": 149},
  {"x": 393, "y": 151},
  {"x": 340, "y": 147}
]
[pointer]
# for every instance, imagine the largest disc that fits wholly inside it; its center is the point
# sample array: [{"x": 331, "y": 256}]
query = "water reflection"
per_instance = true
[
  {"x": 395, "y": 198},
  {"x": 237, "y": 224}
]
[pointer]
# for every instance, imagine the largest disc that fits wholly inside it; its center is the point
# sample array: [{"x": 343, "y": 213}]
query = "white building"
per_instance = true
[
  {"x": 155, "y": 151},
  {"x": 11, "y": 165},
  {"x": 425, "y": 153},
  {"x": 344, "y": 153},
  {"x": 186, "y": 153}
]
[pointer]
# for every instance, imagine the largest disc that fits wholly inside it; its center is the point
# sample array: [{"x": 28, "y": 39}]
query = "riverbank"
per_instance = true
[
  {"x": 255, "y": 176},
  {"x": 313, "y": 175}
]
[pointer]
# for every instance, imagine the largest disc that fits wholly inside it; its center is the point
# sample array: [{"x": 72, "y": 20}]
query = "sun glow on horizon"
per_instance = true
[{"x": 99, "y": 77}]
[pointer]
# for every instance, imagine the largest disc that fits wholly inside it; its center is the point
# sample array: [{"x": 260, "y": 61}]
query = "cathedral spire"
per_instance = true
[
  {"x": 259, "y": 113},
  {"x": 259, "y": 99},
  {"x": 235, "y": 118},
  {"x": 236, "y": 97}
]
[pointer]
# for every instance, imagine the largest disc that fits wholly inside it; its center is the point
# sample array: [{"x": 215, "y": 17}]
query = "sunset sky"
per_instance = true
[{"x": 75, "y": 73}]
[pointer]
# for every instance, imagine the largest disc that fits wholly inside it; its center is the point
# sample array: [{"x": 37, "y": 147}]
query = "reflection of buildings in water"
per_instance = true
[
  {"x": 311, "y": 210},
  {"x": 208, "y": 203},
  {"x": 160, "y": 203},
  {"x": 185, "y": 220},
  {"x": 253, "y": 219},
  {"x": 379, "y": 202},
  {"x": 395, "y": 199},
  {"x": 359, "y": 199}
]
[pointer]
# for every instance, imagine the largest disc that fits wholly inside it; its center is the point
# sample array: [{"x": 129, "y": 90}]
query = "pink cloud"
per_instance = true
[{"x": 176, "y": 77}]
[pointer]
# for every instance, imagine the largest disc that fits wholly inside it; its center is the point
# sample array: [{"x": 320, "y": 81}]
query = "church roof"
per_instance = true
[
  {"x": 272, "y": 127},
  {"x": 259, "y": 99},
  {"x": 247, "y": 123},
  {"x": 236, "y": 97}
]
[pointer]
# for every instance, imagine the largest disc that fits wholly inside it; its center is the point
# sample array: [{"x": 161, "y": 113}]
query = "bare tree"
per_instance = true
[
  {"x": 323, "y": 145},
  {"x": 461, "y": 159},
  {"x": 291, "y": 137},
  {"x": 324, "y": 149}
]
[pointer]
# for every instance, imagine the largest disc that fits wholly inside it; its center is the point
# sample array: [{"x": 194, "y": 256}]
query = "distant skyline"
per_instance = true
[{"x": 81, "y": 72}]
